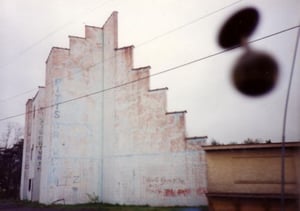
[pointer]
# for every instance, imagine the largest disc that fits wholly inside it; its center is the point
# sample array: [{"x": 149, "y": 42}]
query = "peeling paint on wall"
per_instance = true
[{"x": 121, "y": 145}]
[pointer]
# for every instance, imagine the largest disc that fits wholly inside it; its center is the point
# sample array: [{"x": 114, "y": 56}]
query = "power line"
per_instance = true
[
  {"x": 152, "y": 75},
  {"x": 138, "y": 45},
  {"x": 40, "y": 41},
  {"x": 189, "y": 23},
  {"x": 282, "y": 201},
  {"x": 59, "y": 28},
  {"x": 20, "y": 94}
]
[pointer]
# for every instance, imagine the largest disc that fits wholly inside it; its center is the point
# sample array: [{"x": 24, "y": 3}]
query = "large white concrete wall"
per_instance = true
[
  {"x": 147, "y": 159},
  {"x": 161, "y": 179},
  {"x": 71, "y": 156},
  {"x": 120, "y": 144}
]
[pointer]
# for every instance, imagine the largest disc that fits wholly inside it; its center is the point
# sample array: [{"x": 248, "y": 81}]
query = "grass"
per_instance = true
[
  {"x": 110, "y": 207},
  {"x": 98, "y": 206}
]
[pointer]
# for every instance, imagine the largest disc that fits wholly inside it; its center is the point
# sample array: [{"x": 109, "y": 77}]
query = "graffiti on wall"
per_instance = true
[
  {"x": 57, "y": 97},
  {"x": 56, "y": 115},
  {"x": 59, "y": 175},
  {"x": 170, "y": 187},
  {"x": 39, "y": 146},
  {"x": 68, "y": 180}
]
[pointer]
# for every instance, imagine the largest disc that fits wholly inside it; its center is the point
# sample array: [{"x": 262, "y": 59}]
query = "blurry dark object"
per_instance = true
[
  {"x": 255, "y": 73},
  {"x": 240, "y": 26}
]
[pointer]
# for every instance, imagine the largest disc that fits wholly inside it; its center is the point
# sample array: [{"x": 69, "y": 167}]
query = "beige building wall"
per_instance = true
[
  {"x": 120, "y": 144},
  {"x": 252, "y": 171},
  {"x": 244, "y": 177}
]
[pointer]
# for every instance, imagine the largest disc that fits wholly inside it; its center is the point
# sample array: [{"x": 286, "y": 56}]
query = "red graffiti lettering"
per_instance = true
[
  {"x": 200, "y": 191},
  {"x": 179, "y": 192},
  {"x": 170, "y": 192},
  {"x": 184, "y": 192}
]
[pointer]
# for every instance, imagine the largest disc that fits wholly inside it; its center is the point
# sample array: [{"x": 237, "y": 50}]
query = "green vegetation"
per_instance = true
[
  {"x": 97, "y": 206},
  {"x": 93, "y": 198},
  {"x": 214, "y": 142},
  {"x": 109, "y": 207}
]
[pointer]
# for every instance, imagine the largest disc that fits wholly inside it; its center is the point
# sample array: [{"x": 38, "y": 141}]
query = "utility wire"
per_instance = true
[
  {"x": 282, "y": 200},
  {"x": 17, "y": 95},
  {"x": 59, "y": 28},
  {"x": 189, "y": 23},
  {"x": 138, "y": 45},
  {"x": 153, "y": 75}
]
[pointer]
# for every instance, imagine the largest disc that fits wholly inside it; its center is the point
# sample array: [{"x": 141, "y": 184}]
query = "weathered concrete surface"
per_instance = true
[
  {"x": 32, "y": 151},
  {"x": 121, "y": 144}
]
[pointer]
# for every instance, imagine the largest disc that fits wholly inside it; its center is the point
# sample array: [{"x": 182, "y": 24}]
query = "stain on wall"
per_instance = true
[{"x": 121, "y": 145}]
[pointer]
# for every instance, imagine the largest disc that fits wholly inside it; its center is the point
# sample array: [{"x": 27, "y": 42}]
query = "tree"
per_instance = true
[
  {"x": 214, "y": 142},
  {"x": 11, "y": 134},
  {"x": 252, "y": 141},
  {"x": 11, "y": 147}
]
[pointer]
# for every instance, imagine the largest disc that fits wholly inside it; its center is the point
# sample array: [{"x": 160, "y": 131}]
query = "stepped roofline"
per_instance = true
[{"x": 111, "y": 24}]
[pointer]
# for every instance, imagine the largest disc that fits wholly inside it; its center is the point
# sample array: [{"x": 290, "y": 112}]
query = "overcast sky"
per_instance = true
[{"x": 165, "y": 33}]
